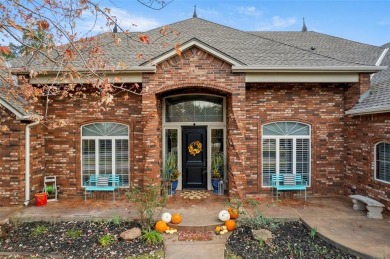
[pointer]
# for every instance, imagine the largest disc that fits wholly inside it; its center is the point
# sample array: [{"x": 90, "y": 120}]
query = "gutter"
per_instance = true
[
  {"x": 306, "y": 69},
  {"x": 365, "y": 111},
  {"x": 134, "y": 69},
  {"x": 27, "y": 162}
]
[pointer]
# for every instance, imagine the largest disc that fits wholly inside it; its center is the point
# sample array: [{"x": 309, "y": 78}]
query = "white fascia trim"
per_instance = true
[
  {"x": 372, "y": 110},
  {"x": 197, "y": 43},
  {"x": 9, "y": 107},
  {"x": 135, "y": 69},
  {"x": 304, "y": 69}
]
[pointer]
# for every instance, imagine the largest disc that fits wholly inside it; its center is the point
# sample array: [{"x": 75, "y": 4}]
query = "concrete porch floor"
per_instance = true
[{"x": 333, "y": 217}]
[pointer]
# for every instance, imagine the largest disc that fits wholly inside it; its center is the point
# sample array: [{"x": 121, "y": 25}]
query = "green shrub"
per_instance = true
[
  {"x": 73, "y": 233},
  {"x": 39, "y": 230},
  {"x": 106, "y": 240},
  {"x": 152, "y": 237},
  {"x": 256, "y": 221},
  {"x": 116, "y": 220},
  {"x": 147, "y": 201}
]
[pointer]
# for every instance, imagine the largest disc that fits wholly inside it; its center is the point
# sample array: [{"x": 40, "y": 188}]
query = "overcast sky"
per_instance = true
[{"x": 366, "y": 21}]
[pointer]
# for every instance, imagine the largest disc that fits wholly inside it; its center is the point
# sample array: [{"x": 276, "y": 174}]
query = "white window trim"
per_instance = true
[
  {"x": 97, "y": 138},
  {"x": 277, "y": 138},
  {"x": 375, "y": 177}
]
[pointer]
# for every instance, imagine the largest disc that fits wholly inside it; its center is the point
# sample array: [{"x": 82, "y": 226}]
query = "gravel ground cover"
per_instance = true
[
  {"x": 84, "y": 239},
  {"x": 290, "y": 240}
]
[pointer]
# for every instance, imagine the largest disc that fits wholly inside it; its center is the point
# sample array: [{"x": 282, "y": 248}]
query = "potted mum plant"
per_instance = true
[
  {"x": 217, "y": 166},
  {"x": 170, "y": 173}
]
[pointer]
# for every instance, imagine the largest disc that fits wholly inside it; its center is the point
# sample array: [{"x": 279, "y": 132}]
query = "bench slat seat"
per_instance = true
[
  {"x": 102, "y": 183},
  {"x": 374, "y": 208},
  {"x": 288, "y": 182}
]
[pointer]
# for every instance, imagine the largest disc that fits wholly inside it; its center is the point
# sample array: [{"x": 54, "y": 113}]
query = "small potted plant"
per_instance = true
[
  {"x": 217, "y": 166},
  {"x": 170, "y": 173}
]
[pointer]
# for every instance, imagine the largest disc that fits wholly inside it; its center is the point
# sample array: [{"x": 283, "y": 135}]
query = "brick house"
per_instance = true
[{"x": 270, "y": 102}]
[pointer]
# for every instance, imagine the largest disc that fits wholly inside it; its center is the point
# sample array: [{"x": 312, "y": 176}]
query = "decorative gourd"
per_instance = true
[
  {"x": 176, "y": 218},
  {"x": 223, "y": 215},
  {"x": 234, "y": 214},
  {"x": 230, "y": 225},
  {"x": 166, "y": 216},
  {"x": 161, "y": 226}
]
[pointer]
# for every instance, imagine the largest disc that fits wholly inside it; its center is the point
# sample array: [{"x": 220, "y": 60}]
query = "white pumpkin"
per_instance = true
[
  {"x": 166, "y": 216},
  {"x": 223, "y": 215}
]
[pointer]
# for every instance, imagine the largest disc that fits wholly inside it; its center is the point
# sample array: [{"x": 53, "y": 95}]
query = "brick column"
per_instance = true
[
  {"x": 151, "y": 139},
  {"x": 236, "y": 143}
]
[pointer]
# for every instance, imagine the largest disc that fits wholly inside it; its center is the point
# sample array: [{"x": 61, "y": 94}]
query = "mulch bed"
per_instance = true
[
  {"x": 195, "y": 235},
  {"x": 290, "y": 240},
  {"x": 19, "y": 237}
]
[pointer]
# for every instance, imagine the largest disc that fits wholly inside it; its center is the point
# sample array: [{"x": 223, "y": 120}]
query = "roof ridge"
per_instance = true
[{"x": 311, "y": 51}]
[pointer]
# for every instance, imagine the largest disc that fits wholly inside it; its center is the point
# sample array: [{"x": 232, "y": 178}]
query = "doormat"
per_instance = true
[
  {"x": 195, "y": 194},
  {"x": 195, "y": 235}
]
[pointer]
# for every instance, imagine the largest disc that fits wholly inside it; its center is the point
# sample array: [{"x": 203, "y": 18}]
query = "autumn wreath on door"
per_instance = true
[{"x": 195, "y": 148}]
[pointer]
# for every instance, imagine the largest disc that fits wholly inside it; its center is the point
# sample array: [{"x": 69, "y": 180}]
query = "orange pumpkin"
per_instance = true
[
  {"x": 234, "y": 214},
  {"x": 230, "y": 224},
  {"x": 176, "y": 218},
  {"x": 161, "y": 226}
]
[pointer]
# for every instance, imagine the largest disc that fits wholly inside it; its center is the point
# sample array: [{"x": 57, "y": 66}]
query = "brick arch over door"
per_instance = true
[{"x": 194, "y": 85}]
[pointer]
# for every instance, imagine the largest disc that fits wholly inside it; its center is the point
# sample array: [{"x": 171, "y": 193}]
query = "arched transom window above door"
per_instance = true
[{"x": 194, "y": 108}]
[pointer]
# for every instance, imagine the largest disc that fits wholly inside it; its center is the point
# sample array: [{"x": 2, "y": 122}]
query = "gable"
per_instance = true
[{"x": 198, "y": 44}]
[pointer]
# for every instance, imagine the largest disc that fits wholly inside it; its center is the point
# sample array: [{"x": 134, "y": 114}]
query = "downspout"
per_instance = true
[{"x": 27, "y": 162}]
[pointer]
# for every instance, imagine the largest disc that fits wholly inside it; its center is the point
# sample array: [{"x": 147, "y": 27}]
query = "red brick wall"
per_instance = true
[
  {"x": 319, "y": 105},
  {"x": 63, "y": 144},
  {"x": 363, "y": 132},
  {"x": 193, "y": 71},
  {"x": 11, "y": 163}
]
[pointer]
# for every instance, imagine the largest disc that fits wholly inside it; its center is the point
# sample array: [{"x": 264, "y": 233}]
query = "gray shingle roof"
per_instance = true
[
  {"x": 378, "y": 99},
  {"x": 251, "y": 49},
  {"x": 322, "y": 44},
  {"x": 283, "y": 49},
  {"x": 14, "y": 104}
]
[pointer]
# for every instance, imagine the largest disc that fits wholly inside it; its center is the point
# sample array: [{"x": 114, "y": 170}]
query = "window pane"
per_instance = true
[
  {"x": 286, "y": 128},
  {"x": 285, "y": 156},
  {"x": 303, "y": 159},
  {"x": 105, "y": 156},
  {"x": 194, "y": 108},
  {"x": 269, "y": 160},
  {"x": 122, "y": 161},
  {"x": 171, "y": 141},
  {"x": 105, "y": 129},
  {"x": 383, "y": 161},
  {"x": 88, "y": 159}
]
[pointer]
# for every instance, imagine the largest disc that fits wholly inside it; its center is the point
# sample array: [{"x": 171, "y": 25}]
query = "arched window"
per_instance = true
[
  {"x": 286, "y": 150},
  {"x": 382, "y": 162},
  {"x": 105, "y": 150}
]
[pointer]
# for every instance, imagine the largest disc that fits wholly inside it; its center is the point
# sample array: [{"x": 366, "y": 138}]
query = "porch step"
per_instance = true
[{"x": 209, "y": 226}]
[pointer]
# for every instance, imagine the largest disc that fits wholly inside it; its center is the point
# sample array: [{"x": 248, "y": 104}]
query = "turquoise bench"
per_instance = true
[
  {"x": 102, "y": 183},
  {"x": 288, "y": 182}
]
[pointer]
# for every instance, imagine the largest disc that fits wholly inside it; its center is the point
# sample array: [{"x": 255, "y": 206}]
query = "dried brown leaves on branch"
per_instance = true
[{"x": 55, "y": 39}]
